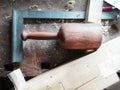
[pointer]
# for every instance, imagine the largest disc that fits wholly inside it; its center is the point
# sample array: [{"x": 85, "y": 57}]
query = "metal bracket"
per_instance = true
[{"x": 20, "y": 15}]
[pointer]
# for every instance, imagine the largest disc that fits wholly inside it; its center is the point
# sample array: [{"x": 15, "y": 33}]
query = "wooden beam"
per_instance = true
[
  {"x": 94, "y": 11},
  {"x": 18, "y": 80},
  {"x": 115, "y": 3},
  {"x": 97, "y": 69}
]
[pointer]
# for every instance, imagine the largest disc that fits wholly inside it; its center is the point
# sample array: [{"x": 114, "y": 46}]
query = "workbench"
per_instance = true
[
  {"x": 39, "y": 56},
  {"x": 35, "y": 52}
]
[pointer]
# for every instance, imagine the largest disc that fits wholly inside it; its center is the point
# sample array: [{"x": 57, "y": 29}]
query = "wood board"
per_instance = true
[
  {"x": 97, "y": 68},
  {"x": 94, "y": 11}
]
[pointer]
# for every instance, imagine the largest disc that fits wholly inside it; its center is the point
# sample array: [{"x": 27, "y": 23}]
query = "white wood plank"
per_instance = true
[
  {"x": 67, "y": 77},
  {"x": 94, "y": 11},
  {"x": 77, "y": 73},
  {"x": 17, "y": 78},
  {"x": 100, "y": 83},
  {"x": 115, "y": 3}
]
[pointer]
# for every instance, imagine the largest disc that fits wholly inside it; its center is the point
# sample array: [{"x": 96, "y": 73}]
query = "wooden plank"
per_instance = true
[
  {"x": 115, "y": 3},
  {"x": 94, "y": 11},
  {"x": 107, "y": 59},
  {"x": 17, "y": 77},
  {"x": 66, "y": 77},
  {"x": 91, "y": 69},
  {"x": 100, "y": 82}
]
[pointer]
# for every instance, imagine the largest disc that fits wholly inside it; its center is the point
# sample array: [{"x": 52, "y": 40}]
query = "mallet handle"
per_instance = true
[{"x": 39, "y": 35}]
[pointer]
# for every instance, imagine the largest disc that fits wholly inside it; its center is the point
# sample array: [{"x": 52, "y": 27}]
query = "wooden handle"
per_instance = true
[{"x": 39, "y": 35}]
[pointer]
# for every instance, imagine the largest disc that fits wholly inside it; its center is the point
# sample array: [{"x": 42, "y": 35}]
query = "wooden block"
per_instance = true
[
  {"x": 94, "y": 11},
  {"x": 115, "y": 86}
]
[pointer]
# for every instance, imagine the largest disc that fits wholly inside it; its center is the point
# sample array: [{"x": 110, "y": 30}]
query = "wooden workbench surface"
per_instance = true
[
  {"x": 42, "y": 55},
  {"x": 35, "y": 52}
]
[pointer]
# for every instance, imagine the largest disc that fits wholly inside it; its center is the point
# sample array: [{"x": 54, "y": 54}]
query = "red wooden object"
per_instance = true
[{"x": 72, "y": 36}]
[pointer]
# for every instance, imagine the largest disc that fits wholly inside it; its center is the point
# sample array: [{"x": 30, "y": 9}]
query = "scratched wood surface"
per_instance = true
[{"x": 38, "y": 55}]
